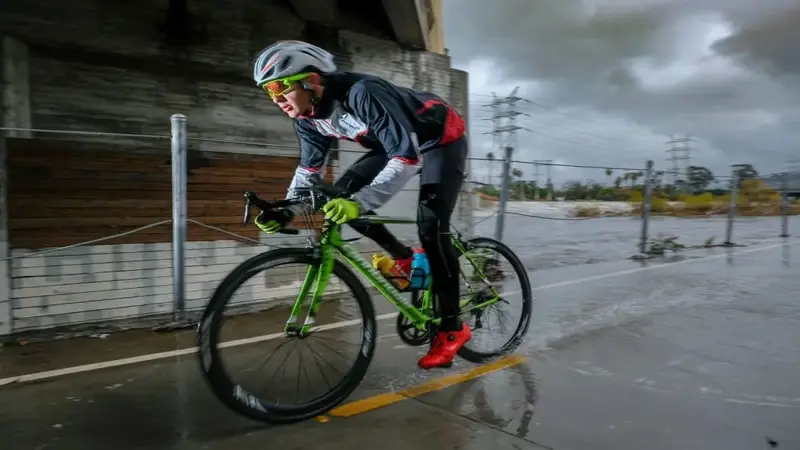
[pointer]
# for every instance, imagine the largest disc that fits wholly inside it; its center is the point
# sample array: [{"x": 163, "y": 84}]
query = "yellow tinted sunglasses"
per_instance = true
[{"x": 282, "y": 86}]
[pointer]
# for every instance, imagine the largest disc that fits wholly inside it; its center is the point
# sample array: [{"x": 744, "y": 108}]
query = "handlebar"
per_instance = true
[
  {"x": 316, "y": 195},
  {"x": 252, "y": 199}
]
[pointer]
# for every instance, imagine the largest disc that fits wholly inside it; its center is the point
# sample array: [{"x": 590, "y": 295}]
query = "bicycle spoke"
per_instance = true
[
  {"x": 317, "y": 336},
  {"x": 299, "y": 372},
  {"x": 272, "y": 354},
  {"x": 321, "y": 372},
  {"x": 282, "y": 366},
  {"x": 308, "y": 378},
  {"x": 324, "y": 360},
  {"x": 332, "y": 349}
]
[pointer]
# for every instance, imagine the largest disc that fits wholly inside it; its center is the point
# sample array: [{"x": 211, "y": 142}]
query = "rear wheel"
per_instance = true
[
  {"x": 248, "y": 404},
  {"x": 493, "y": 267}
]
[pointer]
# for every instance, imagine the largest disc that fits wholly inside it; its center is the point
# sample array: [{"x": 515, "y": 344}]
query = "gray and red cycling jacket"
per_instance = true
[{"x": 378, "y": 115}]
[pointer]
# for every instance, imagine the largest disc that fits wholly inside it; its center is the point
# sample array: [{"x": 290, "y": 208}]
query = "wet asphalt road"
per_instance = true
[{"x": 694, "y": 355}]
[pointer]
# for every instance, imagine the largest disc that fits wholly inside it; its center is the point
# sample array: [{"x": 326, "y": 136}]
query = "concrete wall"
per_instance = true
[
  {"x": 436, "y": 33},
  {"x": 103, "y": 66}
]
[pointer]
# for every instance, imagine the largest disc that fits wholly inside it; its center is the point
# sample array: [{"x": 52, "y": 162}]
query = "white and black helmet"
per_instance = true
[{"x": 286, "y": 58}]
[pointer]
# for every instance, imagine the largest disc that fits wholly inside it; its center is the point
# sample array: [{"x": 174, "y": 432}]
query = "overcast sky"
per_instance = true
[{"x": 613, "y": 80}]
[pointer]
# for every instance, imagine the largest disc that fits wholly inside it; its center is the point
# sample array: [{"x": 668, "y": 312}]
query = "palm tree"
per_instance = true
[
  {"x": 609, "y": 172},
  {"x": 516, "y": 175},
  {"x": 490, "y": 157}
]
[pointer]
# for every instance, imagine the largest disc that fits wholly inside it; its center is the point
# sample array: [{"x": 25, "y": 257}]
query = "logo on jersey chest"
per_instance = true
[{"x": 342, "y": 125}]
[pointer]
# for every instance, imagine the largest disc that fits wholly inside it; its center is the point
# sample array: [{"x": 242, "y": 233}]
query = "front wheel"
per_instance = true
[
  {"x": 236, "y": 397},
  {"x": 487, "y": 267}
]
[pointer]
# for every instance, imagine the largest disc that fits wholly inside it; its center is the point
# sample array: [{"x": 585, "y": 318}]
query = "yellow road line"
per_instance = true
[{"x": 379, "y": 401}]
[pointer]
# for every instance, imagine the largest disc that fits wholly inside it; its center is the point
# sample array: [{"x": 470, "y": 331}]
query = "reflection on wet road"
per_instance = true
[{"x": 695, "y": 355}]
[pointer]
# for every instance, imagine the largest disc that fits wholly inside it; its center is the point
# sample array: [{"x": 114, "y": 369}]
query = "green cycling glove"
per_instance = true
[
  {"x": 273, "y": 221},
  {"x": 341, "y": 210}
]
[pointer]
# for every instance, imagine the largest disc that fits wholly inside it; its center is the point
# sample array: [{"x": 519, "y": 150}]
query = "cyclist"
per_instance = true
[{"x": 406, "y": 132}]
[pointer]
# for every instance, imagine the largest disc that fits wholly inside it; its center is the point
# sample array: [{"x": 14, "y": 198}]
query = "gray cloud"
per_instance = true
[
  {"x": 624, "y": 75},
  {"x": 770, "y": 44}
]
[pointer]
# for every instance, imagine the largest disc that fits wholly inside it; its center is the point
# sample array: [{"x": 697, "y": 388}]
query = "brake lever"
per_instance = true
[
  {"x": 247, "y": 204},
  {"x": 313, "y": 193}
]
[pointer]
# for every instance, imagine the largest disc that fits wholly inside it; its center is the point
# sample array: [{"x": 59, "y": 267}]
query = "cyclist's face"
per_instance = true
[{"x": 294, "y": 103}]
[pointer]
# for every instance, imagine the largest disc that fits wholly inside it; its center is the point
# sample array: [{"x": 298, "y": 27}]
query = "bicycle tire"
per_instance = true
[
  {"x": 234, "y": 396},
  {"x": 516, "y": 339}
]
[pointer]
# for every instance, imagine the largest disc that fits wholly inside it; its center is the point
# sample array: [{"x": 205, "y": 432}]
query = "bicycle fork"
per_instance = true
[{"x": 317, "y": 277}]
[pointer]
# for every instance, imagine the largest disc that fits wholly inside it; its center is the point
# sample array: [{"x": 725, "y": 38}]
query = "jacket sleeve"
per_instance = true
[
  {"x": 314, "y": 149},
  {"x": 383, "y": 114}
]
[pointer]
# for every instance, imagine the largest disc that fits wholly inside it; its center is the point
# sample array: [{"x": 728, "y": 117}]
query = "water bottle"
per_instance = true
[
  {"x": 386, "y": 266},
  {"x": 420, "y": 269}
]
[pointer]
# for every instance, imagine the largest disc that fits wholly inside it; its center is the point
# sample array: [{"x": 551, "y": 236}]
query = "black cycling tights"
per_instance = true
[{"x": 442, "y": 175}]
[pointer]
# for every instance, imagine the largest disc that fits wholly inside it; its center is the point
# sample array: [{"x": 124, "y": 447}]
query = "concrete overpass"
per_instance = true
[
  {"x": 413, "y": 23},
  {"x": 95, "y": 46}
]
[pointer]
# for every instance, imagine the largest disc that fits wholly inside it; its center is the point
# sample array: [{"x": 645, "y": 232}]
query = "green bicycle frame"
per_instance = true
[{"x": 317, "y": 276}]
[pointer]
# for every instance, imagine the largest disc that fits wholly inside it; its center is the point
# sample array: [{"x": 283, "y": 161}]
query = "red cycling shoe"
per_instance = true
[{"x": 444, "y": 348}]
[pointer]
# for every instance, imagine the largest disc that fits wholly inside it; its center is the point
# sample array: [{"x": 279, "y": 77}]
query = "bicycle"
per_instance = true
[{"x": 416, "y": 321}]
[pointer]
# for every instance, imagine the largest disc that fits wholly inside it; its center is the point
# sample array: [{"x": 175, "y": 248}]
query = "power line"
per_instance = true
[{"x": 624, "y": 137}]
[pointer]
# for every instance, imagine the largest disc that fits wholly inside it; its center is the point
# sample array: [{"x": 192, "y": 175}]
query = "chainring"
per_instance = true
[{"x": 407, "y": 331}]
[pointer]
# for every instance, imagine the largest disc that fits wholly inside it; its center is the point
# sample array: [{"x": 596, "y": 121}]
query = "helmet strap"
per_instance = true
[{"x": 317, "y": 102}]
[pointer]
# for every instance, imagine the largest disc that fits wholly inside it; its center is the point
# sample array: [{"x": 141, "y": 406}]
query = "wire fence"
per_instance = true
[
  {"x": 103, "y": 237},
  {"x": 666, "y": 204},
  {"x": 108, "y": 238}
]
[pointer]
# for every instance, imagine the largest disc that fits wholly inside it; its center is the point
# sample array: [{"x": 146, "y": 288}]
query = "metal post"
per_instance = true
[
  {"x": 501, "y": 216},
  {"x": 648, "y": 189},
  {"x": 179, "y": 200},
  {"x": 732, "y": 205},
  {"x": 785, "y": 205},
  {"x": 6, "y": 313}
]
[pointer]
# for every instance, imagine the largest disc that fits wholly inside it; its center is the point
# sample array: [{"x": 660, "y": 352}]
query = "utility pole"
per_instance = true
[
  {"x": 496, "y": 106},
  {"x": 505, "y": 134},
  {"x": 504, "y": 127},
  {"x": 547, "y": 163},
  {"x": 680, "y": 156},
  {"x": 792, "y": 169},
  {"x": 504, "y": 137},
  {"x": 503, "y": 108}
]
